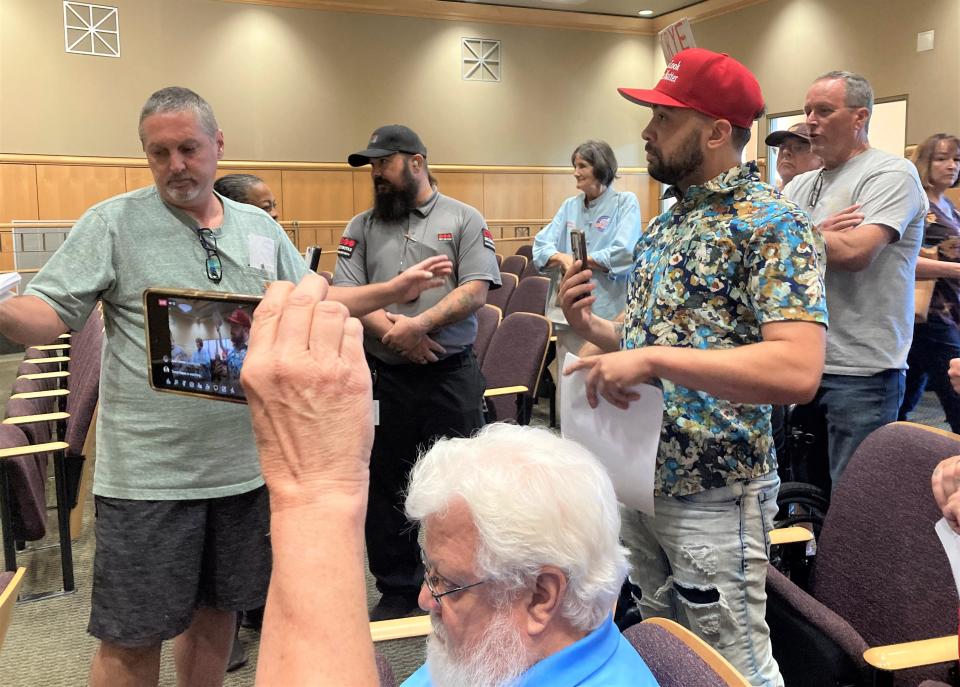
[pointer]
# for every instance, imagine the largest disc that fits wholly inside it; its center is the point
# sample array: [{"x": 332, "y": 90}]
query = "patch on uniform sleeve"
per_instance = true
[
  {"x": 346, "y": 247},
  {"x": 488, "y": 240},
  {"x": 445, "y": 236}
]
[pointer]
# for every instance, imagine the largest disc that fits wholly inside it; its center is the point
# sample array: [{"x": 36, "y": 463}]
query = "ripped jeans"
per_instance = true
[{"x": 702, "y": 561}]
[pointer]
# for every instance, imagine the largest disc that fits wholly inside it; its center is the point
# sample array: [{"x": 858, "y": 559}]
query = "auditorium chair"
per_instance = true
[
  {"x": 488, "y": 319},
  {"x": 9, "y": 586},
  {"x": 526, "y": 251},
  {"x": 500, "y": 297},
  {"x": 514, "y": 264},
  {"x": 529, "y": 296},
  {"x": 499, "y": 259},
  {"x": 68, "y": 446},
  {"x": 880, "y": 585},
  {"x": 513, "y": 365},
  {"x": 678, "y": 658}
]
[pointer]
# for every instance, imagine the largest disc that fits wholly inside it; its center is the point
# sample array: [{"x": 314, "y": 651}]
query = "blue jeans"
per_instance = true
[
  {"x": 854, "y": 407},
  {"x": 702, "y": 561},
  {"x": 934, "y": 344}
]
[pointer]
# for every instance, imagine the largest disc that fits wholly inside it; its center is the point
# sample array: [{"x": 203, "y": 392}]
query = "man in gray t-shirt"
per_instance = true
[
  {"x": 182, "y": 515},
  {"x": 426, "y": 381},
  {"x": 869, "y": 207}
]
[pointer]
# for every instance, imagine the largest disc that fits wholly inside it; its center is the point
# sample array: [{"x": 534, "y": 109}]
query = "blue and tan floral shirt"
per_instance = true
[{"x": 730, "y": 256}]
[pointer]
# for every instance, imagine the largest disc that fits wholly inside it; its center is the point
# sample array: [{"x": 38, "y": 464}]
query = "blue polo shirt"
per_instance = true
[{"x": 604, "y": 658}]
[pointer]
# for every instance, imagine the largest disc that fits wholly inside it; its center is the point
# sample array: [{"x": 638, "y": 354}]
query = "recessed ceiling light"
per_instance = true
[{"x": 645, "y": 13}]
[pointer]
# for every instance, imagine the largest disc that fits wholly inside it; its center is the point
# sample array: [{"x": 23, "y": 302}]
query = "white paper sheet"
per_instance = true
[
  {"x": 263, "y": 255},
  {"x": 951, "y": 544},
  {"x": 9, "y": 285},
  {"x": 625, "y": 441}
]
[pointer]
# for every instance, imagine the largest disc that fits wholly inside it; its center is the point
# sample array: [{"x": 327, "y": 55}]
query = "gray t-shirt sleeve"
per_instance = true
[
  {"x": 891, "y": 198},
  {"x": 291, "y": 265},
  {"x": 476, "y": 253},
  {"x": 73, "y": 278},
  {"x": 352, "y": 256}
]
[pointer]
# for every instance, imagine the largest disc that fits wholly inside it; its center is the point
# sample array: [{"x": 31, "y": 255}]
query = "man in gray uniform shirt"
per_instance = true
[
  {"x": 182, "y": 514},
  {"x": 426, "y": 381},
  {"x": 869, "y": 207}
]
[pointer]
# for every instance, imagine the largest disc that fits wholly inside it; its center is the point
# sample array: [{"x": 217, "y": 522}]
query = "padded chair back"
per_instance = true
[
  {"x": 530, "y": 296},
  {"x": 488, "y": 319},
  {"x": 526, "y": 251},
  {"x": 499, "y": 259},
  {"x": 84, "y": 381},
  {"x": 515, "y": 358},
  {"x": 500, "y": 297},
  {"x": 514, "y": 264},
  {"x": 675, "y": 662},
  {"x": 27, "y": 487},
  {"x": 9, "y": 587},
  {"x": 530, "y": 271},
  {"x": 26, "y": 368},
  {"x": 327, "y": 275},
  {"x": 384, "y": 671},
  {"x": 880, "y": 565}
]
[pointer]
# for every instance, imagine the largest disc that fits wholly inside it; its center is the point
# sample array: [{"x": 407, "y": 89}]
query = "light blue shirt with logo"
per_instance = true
[
  {"x": 604, "y": 658},
  {"x": 611, "y": 225}
]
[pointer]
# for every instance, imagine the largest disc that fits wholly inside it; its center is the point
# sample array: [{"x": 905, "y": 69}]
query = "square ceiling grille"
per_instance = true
[
  {"x": 91, "y": 29},
  {"x": 480, "y": 59}
]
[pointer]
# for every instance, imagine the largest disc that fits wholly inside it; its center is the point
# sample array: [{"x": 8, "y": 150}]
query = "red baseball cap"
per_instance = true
[
  {"x": 709, "y": 82},
  {"x": 239, "y": 316}
]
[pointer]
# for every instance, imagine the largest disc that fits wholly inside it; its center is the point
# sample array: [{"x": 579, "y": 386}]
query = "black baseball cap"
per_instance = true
[
  {"x": 387, "y": 140},
  {"x": 801, "y": 131}
]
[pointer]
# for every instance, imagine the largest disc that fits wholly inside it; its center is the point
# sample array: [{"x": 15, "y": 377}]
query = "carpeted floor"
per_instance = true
[{"x": 47, "y": 645}]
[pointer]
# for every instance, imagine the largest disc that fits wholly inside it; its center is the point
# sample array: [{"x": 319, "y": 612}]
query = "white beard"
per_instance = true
[{"x": 498, "y": 659}]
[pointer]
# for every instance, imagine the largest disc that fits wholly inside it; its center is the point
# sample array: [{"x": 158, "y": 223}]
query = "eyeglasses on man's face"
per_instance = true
[{"x": 439, "y": 586}]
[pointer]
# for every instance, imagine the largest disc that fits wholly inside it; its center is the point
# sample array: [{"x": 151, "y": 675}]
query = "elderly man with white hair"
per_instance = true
[{"x": 523, "y": 563}]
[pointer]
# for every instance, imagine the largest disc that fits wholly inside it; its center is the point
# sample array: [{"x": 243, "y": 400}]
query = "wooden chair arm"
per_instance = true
[
  {"x": 401, "y": 628},
  {"x": 33, "y": 448},
  {"x": 52, "y": 359},
  {"x": 505, "y": 390},
  {"x": 42, "y": 394},
  {"x": 924, "y": 652},
  {"x": 44, "y": 375},
  {"x": 53, "y": 347},
  {"x": 789, "y": 535},
  {"x": 28, "y": 419}
]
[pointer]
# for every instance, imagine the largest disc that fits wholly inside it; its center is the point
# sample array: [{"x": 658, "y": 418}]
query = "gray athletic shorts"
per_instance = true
[{"x": 157, "y": 561}]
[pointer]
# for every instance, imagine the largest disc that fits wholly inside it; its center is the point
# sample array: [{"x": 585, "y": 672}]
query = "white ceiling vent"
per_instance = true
[
  {"x": 480, "y": 59},
  {"x": 91, "y": 29}
]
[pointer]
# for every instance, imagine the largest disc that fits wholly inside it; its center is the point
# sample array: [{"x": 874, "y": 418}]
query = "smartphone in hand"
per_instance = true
[{"x": 197, "y": 341}]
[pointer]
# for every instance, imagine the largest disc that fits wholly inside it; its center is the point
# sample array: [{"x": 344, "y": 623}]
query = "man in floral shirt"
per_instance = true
[{"x": 726, "y": 309}]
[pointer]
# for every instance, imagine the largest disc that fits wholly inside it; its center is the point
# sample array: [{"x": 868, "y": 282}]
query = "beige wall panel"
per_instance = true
[
  {"x": 66, "y": 191},
  {"x": 788, "y": 43},
  {"x": 466, "y": 187},
  {"x": 271, "y": 177},
  {"x": 328, "y": 262},
  {"x": 362, "y": 191},
  {"x": 138, "y": 177},
  {"x": 6, "y": 250},
  {"x": 18, "y": 192},
  {"x": 556, "y": 189},
  {"x": 310, "y": 195},
  {"x": 310, "y": 85},
  {"x": 512, "y": 196}
]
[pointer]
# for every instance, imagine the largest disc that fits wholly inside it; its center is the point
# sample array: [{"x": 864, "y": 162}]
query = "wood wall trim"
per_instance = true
[
  {"x": 517, "y": 16},
  {"x": 20, "y": 158},
  {"x": 703, "y": 11},
  {"x": 463, "y": 11}
]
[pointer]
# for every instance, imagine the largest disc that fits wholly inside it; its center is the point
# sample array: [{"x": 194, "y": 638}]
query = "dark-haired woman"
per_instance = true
[{"x": 937, "y": 340}]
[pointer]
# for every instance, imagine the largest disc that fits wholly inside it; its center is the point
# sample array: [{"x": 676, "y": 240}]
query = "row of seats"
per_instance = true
[{"x": 49, "y": 414}]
